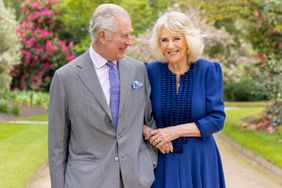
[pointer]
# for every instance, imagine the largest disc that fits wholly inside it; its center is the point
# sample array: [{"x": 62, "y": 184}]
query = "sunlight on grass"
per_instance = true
[
  {"x": 269, "y": 146},
  {"x": 35, "y": 118},
  {"x": 23, "y": 150},
  {"x": 247, "y": 104}
]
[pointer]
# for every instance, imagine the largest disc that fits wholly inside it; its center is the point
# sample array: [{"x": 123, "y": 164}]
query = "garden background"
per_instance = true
[{"x": 39, "y": 36}]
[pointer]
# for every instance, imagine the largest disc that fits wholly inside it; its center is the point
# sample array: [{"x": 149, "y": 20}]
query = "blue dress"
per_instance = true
[{"x": 195, "y": 162}]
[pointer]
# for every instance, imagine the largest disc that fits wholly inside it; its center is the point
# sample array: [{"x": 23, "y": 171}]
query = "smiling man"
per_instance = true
[{"x": 99, "y": 103}]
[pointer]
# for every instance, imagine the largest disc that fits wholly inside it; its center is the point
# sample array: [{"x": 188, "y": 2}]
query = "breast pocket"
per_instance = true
[{"x": 138, "y": 96}]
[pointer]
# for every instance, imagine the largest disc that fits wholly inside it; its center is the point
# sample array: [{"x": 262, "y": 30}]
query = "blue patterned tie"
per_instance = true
[{"x": 114, "y": 91}]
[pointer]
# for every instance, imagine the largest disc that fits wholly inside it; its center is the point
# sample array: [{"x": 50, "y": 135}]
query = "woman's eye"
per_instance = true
[{"x": 164, "y": 40}]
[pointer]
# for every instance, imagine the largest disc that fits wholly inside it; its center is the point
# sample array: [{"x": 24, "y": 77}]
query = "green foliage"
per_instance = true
[
  {"x": 42, "y": 51},
  {"x": 28, "y": 98},
  {"x": 143, "y": 14},
  {"x": 8, "y": 107},
  {"x": 264, "y": 21},
  {"x": 15, "y": 5},
  {"x": 9, "y": 45},
  {"x": 244, "y": 90},
  {"x": 258, "y": 22},
  {"x": 77, "y": 29}
]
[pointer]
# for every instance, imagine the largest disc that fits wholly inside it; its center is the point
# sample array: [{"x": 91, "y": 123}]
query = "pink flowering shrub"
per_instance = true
[
  {"x": 260, "y": 122},
  {"x": 42, "y": 51},
  {"x": 265, "y": 34}
]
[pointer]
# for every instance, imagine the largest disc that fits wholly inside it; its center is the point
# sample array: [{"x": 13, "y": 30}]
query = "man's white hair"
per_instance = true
[{"x": 104, "y": 19}]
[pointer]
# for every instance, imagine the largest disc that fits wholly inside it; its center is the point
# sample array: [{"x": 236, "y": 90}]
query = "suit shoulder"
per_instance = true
[
  {"x": 133, "y": 63},
  {"x": 70, "y": 66}
]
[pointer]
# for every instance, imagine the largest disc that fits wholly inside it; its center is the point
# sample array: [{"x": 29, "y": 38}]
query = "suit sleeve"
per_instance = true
[
  {"x": 215, "y": 115},
  {"x": 58, "y": 133},
  {"x": 148, "y": 119}
]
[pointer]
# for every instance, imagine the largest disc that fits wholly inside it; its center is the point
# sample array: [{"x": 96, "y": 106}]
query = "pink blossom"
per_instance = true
[
  {"x": 36, "y": 5},
  {"x": 28, "y": 55},
  {"x": 70, "y": 57},
  {"x": 36, "y": 58},
  {"x": 253, "y": 127},
  {"x": 71, "y": 45},
  {"x": 62, "y": 43},
  {"x": 64, "y": 49},
  {"x": 48, "y": 44}
]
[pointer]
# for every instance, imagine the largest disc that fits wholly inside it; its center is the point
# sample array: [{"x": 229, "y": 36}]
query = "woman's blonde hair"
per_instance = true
[{"x": 177, "y": 22}]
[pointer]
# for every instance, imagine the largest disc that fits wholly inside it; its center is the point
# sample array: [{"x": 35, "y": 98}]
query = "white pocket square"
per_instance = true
[{"x": 136, "y": 84}]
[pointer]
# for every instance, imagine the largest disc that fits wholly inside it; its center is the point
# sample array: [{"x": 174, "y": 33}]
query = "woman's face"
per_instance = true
[{"x": 174, "y": 46}]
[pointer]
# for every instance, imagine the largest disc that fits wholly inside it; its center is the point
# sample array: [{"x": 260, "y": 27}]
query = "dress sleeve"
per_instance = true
[{"x": 215, "y": 115}]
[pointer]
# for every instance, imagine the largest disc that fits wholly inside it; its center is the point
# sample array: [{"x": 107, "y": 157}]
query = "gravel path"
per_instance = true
[{"x": 240, "y": 172}]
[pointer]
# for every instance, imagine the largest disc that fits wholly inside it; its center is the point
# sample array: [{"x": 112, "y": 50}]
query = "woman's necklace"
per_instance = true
[
  {"x": 177, "y": 83},
  {"x": 178, "y": 75}
]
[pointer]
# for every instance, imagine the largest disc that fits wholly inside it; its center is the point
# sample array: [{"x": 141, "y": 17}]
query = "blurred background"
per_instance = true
[{"x": 39, "y": 36}]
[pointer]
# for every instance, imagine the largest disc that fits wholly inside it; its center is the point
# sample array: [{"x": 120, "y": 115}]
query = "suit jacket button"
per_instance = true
[{"x": 116, "y": 159}]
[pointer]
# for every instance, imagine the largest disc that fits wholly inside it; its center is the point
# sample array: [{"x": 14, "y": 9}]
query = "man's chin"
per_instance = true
[{"x": 120, "y": 56}]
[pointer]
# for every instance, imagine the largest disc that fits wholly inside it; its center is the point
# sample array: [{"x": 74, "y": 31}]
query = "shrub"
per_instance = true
[
  {"x": 9, "y": 45},
  {"x": 42, "y": 51},
  {"x": 244, "y": 90}
]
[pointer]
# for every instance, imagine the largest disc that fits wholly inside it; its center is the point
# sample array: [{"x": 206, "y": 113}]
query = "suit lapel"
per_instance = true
[
  {"x": 125, "y": 85},
  {"x": 88, "y": 76}
]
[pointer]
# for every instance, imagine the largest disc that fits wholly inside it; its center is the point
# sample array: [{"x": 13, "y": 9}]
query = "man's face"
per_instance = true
[{"x": 117, "y": 43}]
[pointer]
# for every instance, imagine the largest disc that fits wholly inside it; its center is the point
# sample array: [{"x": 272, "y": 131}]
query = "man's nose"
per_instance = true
[{"x": 129, "y": 40}]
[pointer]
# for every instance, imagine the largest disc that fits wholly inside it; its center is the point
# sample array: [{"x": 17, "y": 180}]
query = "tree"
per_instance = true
[
  {"x": 264, "y": 31},
  {"x": 15, "y": 5},
  {"x": 143, "y": 14},
  {"x": 258, "y": 22},
  {"x": 9, "y": 45},
  {"x": 42, "y": 51}
]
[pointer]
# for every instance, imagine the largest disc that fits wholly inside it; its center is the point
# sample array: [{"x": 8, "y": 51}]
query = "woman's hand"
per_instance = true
[
  {"x": 165, "y": 148},
  {"x": 160, "y": 137}
]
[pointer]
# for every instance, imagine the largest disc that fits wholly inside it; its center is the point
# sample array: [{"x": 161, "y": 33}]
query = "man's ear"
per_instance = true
[{"x": 101, "y": 36}]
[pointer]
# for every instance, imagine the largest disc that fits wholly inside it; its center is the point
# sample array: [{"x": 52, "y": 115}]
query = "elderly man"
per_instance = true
[{"x": 99, "y": 103}]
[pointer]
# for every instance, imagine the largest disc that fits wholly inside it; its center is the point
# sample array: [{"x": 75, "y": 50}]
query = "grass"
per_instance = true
[
  {"x": 35, "y": 118},
  {"x": 23, "y": 151},
  {"x": 269, "y": 146},
  {"x": 247, "y": 104}
]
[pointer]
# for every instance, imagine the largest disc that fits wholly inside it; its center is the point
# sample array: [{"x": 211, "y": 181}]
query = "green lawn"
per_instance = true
[
  {"x": 246, "y": 104},
  {"x": 23, "y": 151},
  {"x": 35, "y": 118},
  {"x": 269, "y": 146}
]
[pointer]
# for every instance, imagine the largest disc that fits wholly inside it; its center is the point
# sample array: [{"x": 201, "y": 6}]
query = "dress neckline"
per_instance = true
[{"x": 181, "y": 75}]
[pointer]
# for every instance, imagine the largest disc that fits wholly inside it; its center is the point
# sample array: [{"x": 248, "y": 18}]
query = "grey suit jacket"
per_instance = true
[{"x": 85, "y": 149}]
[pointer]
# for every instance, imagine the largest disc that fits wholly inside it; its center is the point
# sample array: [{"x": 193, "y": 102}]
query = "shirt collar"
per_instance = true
[{"x": 97, "y": 59}]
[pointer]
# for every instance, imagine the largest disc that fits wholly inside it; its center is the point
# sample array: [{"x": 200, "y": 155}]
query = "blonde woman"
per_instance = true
[{"x": 187, "y": 105}]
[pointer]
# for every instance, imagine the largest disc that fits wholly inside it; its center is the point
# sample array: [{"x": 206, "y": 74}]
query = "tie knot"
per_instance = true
[{"x": 110, "y": 64}]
